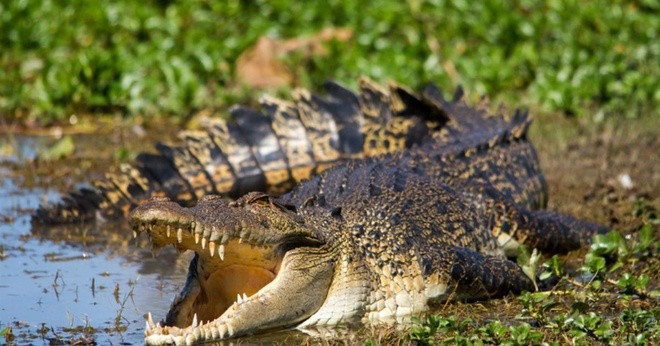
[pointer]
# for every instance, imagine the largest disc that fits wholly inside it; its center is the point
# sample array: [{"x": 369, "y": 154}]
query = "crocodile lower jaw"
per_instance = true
[
  {"x": 200, "y": 330},
  {"x": 228, "y": 277}
]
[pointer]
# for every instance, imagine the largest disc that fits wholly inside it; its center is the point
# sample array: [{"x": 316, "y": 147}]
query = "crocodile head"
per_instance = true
[{"x": 250, "y": 272}]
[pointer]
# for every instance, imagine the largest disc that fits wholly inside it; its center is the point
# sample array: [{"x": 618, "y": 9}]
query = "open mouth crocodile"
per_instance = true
[{"x": 372, "y": 240}]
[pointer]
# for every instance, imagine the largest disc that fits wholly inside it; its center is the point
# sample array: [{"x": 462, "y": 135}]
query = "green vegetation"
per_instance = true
[
  {"x": 7, "y": 334},
  {"x": 175, "y": 57},
  {"x": 578, "y": 310}
]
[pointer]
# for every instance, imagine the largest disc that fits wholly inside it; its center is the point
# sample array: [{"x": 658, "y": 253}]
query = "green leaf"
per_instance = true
[{"x": 62, "y": 148}]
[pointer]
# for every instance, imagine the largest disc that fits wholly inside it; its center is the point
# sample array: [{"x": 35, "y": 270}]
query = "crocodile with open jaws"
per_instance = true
[{"x": 379, "y": 237}]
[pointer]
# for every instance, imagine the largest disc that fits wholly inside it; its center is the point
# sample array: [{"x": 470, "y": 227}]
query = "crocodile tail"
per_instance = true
[
  {"x": 270, "y": 149},
  {"x": 472, "y": 129},
  {"x": 475, "y": 126}
]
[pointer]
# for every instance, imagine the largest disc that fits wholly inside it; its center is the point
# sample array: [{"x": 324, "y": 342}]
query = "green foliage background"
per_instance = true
[{"x": 592, "y": 57}]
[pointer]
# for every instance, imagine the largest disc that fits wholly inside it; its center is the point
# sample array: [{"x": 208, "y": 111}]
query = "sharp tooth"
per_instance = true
[
  {"x": 194, "y": 322},
  {"x": 222, "y": 331},
  {"x": 196, "y": 238},
  {"x": 230, "y": 330},
  {"x": 244, "y": 297},
  {"x": 212, "y": 248},
  {"x": 158, "y": 325},
  {"x": 221, "y": 252},
  {"x": 203, "y": 243},
  {"x": 239, "y": 300},
  {"x": 147, "y": 329},
  {"x": 150, "y": 321},
  {"x": 168, "y": 228},
  {"x": 240, "y": 240},
  {"x": 135, "y": 234},
  {"x": 179, "y": 235}
]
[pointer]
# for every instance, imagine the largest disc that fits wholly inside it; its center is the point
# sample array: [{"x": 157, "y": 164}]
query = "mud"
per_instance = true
[{"x": 93, "y": 283}]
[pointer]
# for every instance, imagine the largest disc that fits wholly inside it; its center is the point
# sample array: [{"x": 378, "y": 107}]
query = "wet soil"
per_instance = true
[{"x": 93, "y": 283}]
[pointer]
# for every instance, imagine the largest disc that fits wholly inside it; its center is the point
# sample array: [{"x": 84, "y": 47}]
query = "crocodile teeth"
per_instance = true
[
  {"x": 147, "y": 329},
  {"x": 222, "y": 331},
  {"x": 212, "y": 248},
  {"x": 196, "y": 238},
  {"x": 135, "y": 234},
  {"x": 194, "y": 322},
  {"x": 221, "y": 252},
  {"x": 168, "y": 228},
  {"x": 179, "y": 235},
  {"x": 150, "y": 321},
  {"x": 203, "y": 243},
  {"x": 239, "y": 300},
  {"x": 244, "y": 297}
]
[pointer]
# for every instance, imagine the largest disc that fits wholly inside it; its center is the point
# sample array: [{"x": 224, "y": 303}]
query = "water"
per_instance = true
[
  {"x": 79, "y": 283},
  {"x": 75, "y": 283}
]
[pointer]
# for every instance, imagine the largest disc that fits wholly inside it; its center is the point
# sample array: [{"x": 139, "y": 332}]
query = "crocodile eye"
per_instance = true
[
  {"x": 254, "y": 197},
  {"x": 207, "y": 198}
]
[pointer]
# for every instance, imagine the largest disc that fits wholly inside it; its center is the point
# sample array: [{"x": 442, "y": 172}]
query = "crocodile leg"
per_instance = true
[
  {"x": 473, "y": 275},
  {"x": 554, "y": 226},
  {"x": 545, "y": 230}
]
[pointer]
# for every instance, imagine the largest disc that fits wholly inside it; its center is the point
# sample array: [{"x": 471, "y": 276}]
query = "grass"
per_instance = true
[
  {"x": 606, "y": 304},
  {"x": 596, "y": 58}
]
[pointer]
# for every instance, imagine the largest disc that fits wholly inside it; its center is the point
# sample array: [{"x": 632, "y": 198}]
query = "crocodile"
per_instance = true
[
  {"x": 371, "y": 240},
  {"x": 268, "y": 150}
]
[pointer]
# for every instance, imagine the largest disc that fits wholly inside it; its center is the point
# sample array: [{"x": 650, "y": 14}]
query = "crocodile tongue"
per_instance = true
[{"x": 238, "y": 256}]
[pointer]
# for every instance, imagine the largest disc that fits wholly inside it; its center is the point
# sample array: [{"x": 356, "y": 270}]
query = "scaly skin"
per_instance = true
[
  {"x": 268, "y": 150},
  {"x": 371, "y": 240}
]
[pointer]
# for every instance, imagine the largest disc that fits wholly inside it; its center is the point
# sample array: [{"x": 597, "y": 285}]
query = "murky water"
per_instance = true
[{"x": 58, "y": 282}]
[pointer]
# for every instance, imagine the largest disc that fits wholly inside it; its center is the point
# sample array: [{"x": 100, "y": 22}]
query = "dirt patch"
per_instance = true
[{"x": 586, "y": 166}]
